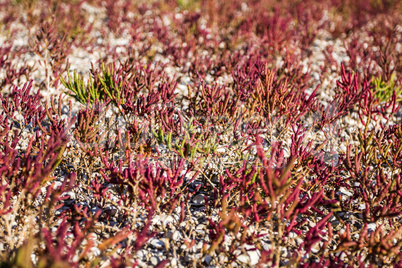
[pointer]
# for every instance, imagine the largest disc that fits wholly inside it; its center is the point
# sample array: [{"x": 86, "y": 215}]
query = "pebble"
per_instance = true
[
  {"x": 154, "y": 260},
  {"x": 198, "y": 200},
  {"x": 199, "y": 245},
  {"x": 284, "y": 252},
  {"x": 94, "y": 210},
  {"x": 173, "y": 262},
  {"x": 140, "y": 263},
  {"x": 57, "y": 185},
  {"x": 176, "y": 235},
  {"x": 223, "y": 258},
  {"x": 220, "y": 149},
  {"x": 345, "y": 192},
  {"x": 362, "y": 206},
  {"x": 187, "y": 258},
  {"x": 243, "y": 258},
  {"x": 266, "y": 246},
  {"x": 111, "y": 210},
  {"x": 315, "y": 250},
  {"x": 254, "y": 256},
  {"x": 156, "y": 243},
  {"x": 207, "y": 259},
  {"x": 96, "y": 251},
  {"x": 142, "y": 253},
  {"x": 357, "y": 225},
  {"x": 292, "y": 235},
  {"x": 371, "y": 227},
  {"x": 71, "y": 195},
  {"x": 166, "y": 219}
]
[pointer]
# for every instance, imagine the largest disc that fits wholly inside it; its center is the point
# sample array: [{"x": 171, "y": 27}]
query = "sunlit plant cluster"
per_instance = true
[{"x": 200, "y": 133}]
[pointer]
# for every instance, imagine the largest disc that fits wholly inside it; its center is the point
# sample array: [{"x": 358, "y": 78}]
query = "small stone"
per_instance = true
[
  {"x": 254, "y": 256},
  {"x": 284, "y": 252},
  {"x": 96, "y": 251},
  {"x": 199, "y": 245},
  {"x": 335, "y": 223},
  {"x": 201, "y": 232},
  {"x": 223, "y": 258},
  {"x": 167, "y": 219},
  {"x": 201, "y": 226},
  {"x": 156, "y": 220},
  {"x": 105, "y": 235},
  {"x": 140, "y": 263},
  {"x": 156, "y": 243},
  {"x": 292, "y": 235},
  {"x": 169, "y": 234},
  {"x": 64, "y": 110},
  {"x": 197, "y": 184},
  {"x": 237, "y": 252},
  {"x": 154, "y": 260},
  {"x": 220, "y": 149},
  {"x": 345, "y": 192},
  {"x": 94, "y": 210},
  {"x": 358, "y": 225},
  {"x": 176, "y": 235},
  {"x": 57, "y": 185},
  {"x": 266, "y": 246},
  {"x": 141, "y": 254},
  {"x": 173, "y": 262},
  {"x": 187, "y": 258},
  {"x": 243, "y": 258},
  {"x": 371, "y": 227},
  {"x": 71, "y": 197},
  {"x": 199, "y": 200},
  {"x": 111, "y": 210},
  {"x": 207, "y": 259},
  {"x": 299, "y": 241}
]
